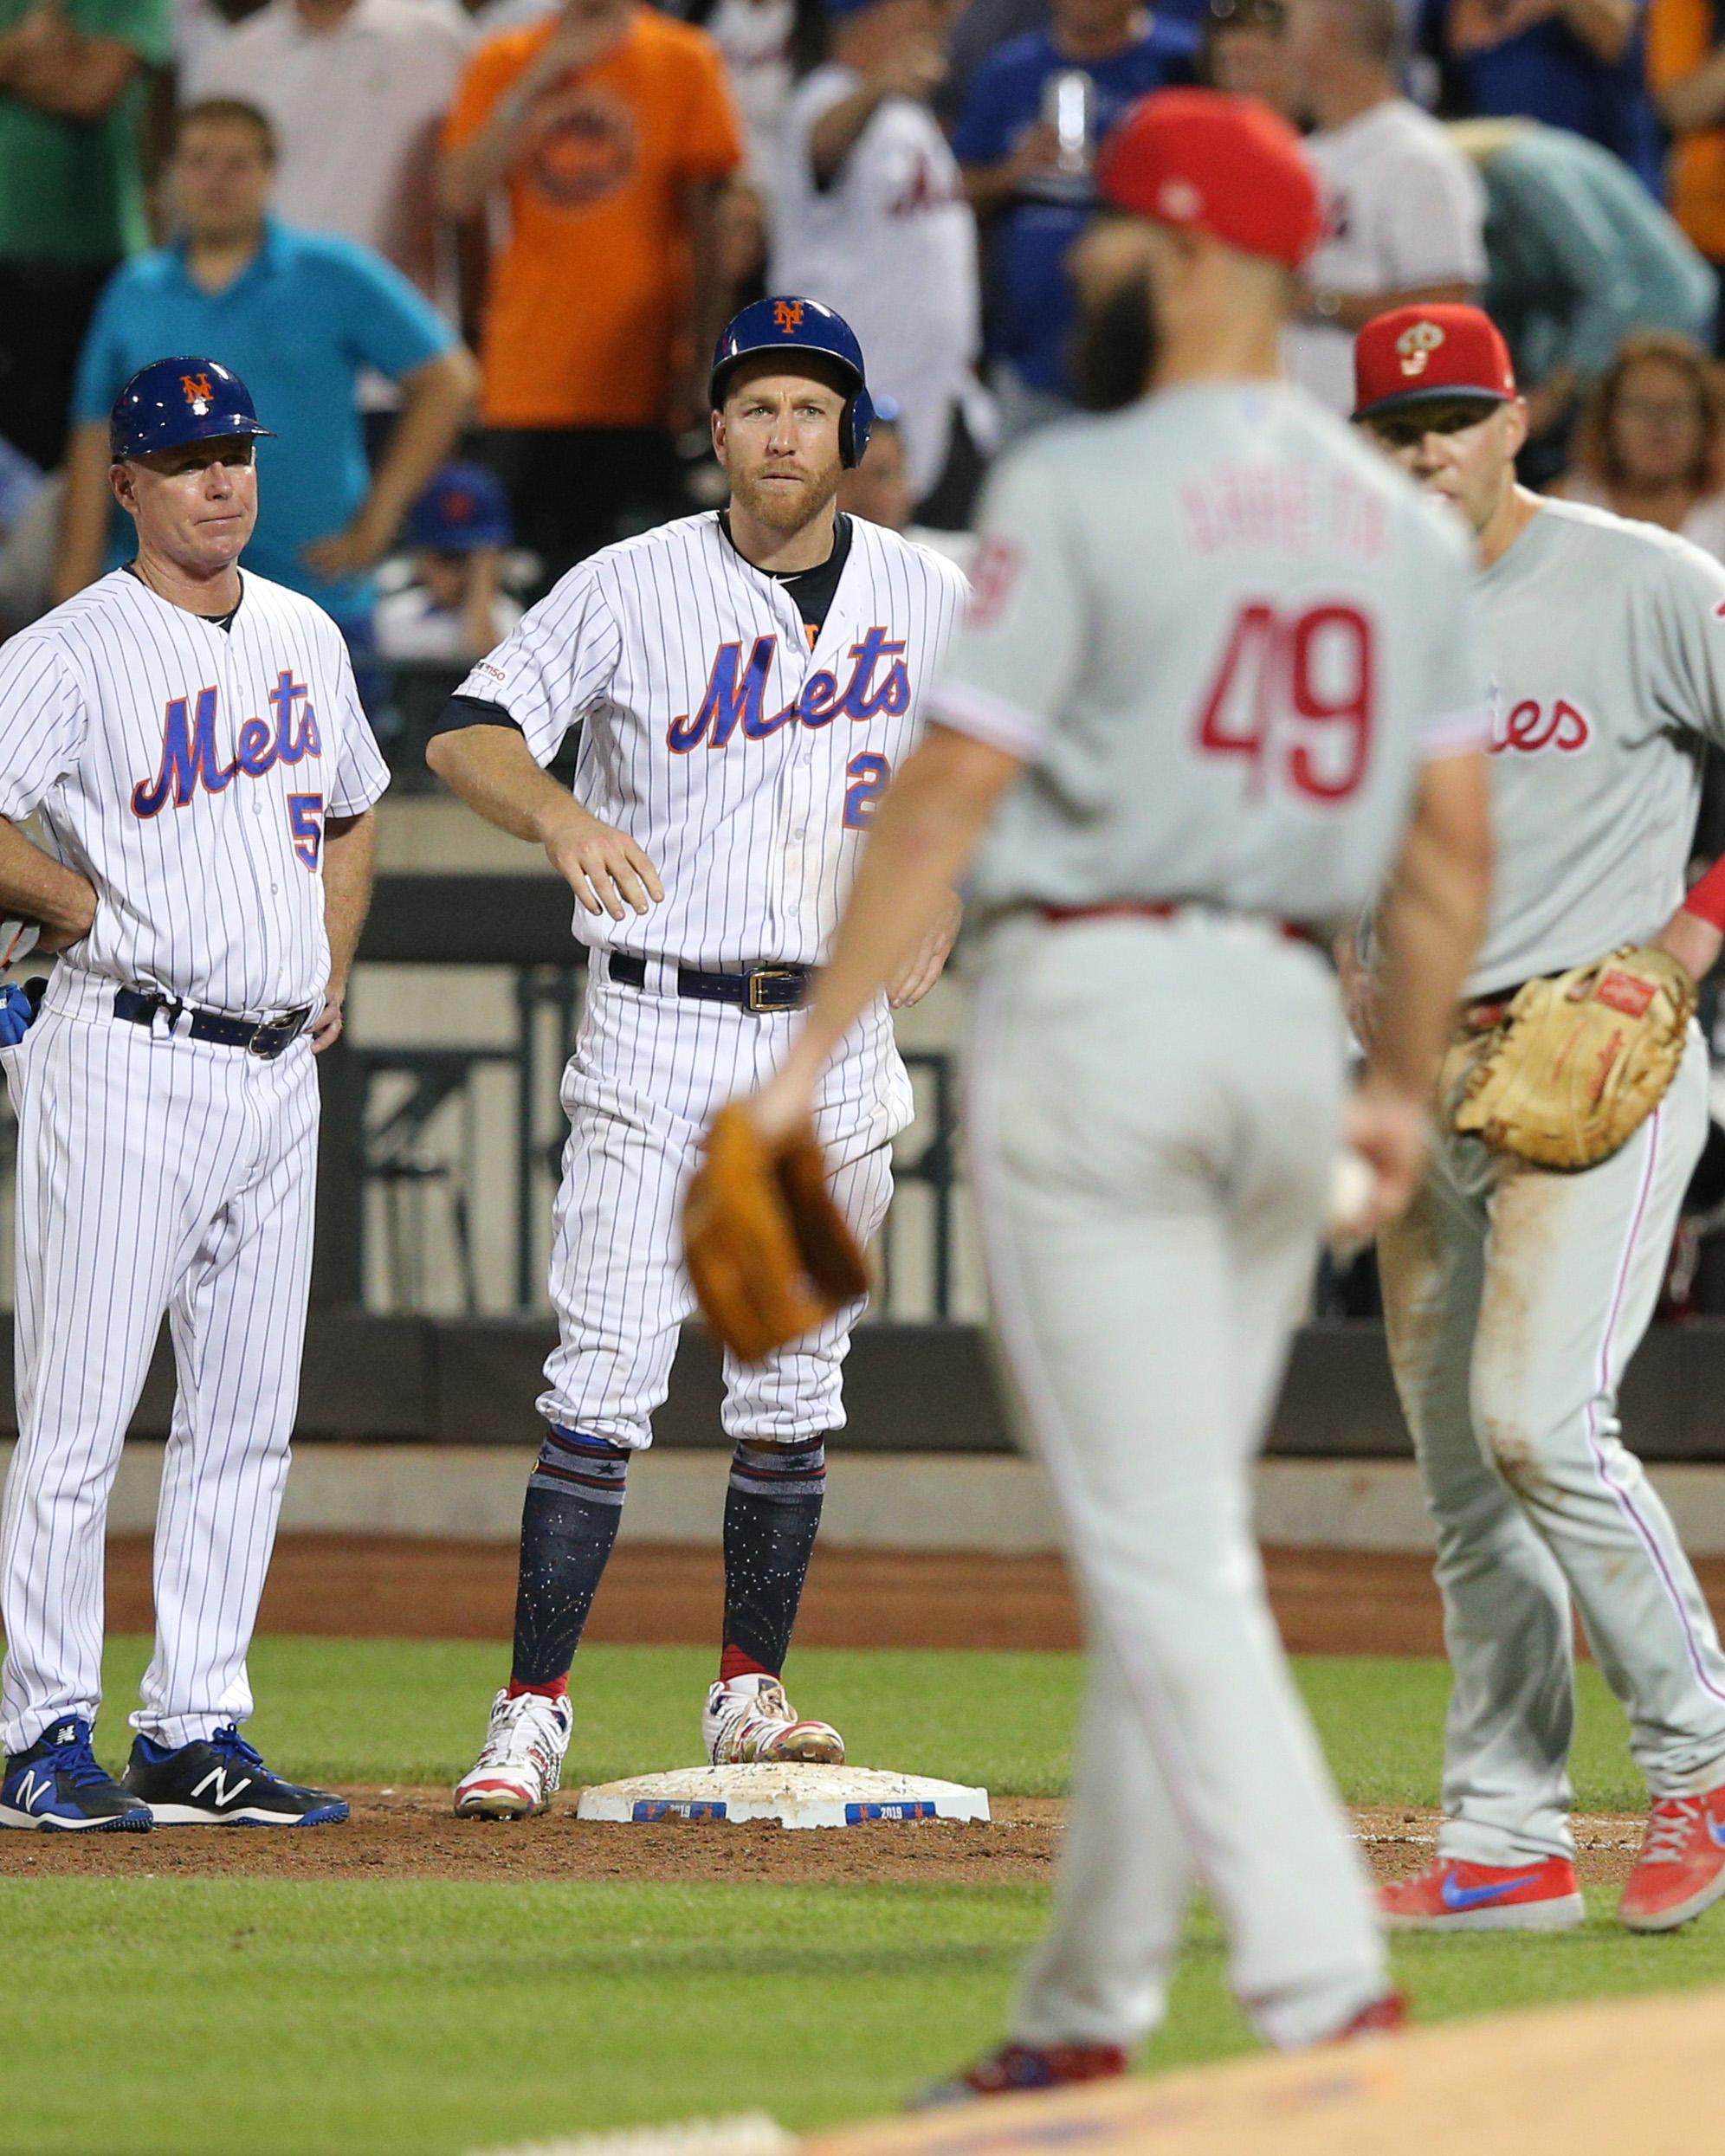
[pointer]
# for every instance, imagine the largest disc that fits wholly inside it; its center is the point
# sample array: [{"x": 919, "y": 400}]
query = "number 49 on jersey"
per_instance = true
[{"x": 1294, "y": 695}]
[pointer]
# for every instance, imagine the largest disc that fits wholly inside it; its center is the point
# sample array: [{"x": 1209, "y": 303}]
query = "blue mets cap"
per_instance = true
[
  {"x": 172, "y": 402},
  {"x": 464, "y": 507},
  {"x": 785, "y": 324}
]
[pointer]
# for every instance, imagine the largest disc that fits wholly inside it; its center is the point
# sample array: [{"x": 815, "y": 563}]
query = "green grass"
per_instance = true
[
  {"x": 412, "y": 1711},
  {"x": 414, "y": 2017}
]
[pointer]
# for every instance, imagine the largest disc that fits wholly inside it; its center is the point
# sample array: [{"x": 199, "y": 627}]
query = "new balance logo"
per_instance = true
[
  {"x": 34, "y": 1792},
  {"x": 216, "y": 1778}
]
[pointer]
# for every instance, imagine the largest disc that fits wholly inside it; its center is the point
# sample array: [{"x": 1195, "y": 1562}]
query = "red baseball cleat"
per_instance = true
[
  {"x": 1681, "y": 1870},
  {"x": 1016, "y": 2069},
  {"x": 1453, "y": 1896},
  {"x": 1385, "y": 2016}
]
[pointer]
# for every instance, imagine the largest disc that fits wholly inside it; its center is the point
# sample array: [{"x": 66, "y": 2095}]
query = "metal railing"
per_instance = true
[{"x": 429, "y": 1157}]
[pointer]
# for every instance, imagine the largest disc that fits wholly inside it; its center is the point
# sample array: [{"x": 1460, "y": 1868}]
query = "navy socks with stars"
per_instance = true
[
  {"x": 772, "y": 1510},
  {"x": 569, "y": 1522}
]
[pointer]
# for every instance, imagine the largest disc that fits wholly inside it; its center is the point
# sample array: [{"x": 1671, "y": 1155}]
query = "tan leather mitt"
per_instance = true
[
  {"x": 1581, "y": 1060},
  {"x": 770, "y": 1254}
]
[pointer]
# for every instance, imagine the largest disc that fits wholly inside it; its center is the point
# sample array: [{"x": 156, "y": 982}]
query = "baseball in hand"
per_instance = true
[{"x": 1352, "y": 1184}]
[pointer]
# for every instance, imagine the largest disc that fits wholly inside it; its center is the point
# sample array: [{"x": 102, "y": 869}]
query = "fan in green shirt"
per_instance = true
[{"x": 73, "y": 82}]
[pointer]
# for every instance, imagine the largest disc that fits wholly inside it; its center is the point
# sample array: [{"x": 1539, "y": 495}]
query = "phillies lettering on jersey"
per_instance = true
[
  {"x": 189, "y": 758},
  {"x": 127, "y": 722},
  {"x": 1529, "y": 726},
  {"x": 1603, "y": 708},
  {"x": 671, "y": 643}
]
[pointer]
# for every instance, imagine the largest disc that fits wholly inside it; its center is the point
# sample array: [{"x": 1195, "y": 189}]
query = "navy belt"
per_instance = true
[
  {"x": 756, "y": 988},
  {"x": 265, "y": 1040}
]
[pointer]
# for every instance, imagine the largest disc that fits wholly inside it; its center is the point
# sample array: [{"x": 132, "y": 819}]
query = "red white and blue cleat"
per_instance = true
[
  {"x": 1451, "y": 1896},
  {"x": 1021, "y": 2069},
  {"x": 1018, "y": 2069},
  {"x": 1681, "y": 1870}
]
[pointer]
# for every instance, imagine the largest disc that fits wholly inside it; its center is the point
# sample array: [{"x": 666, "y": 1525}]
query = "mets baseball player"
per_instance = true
[
  {"x": 1218, "y": 678},
  {"x": 190, "y": 739},
  {"x": 748, "y": 682},
  {"x": 1515, "y": 1296}
]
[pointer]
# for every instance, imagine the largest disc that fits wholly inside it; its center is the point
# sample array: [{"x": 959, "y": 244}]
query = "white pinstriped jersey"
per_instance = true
[
  {"x": 745, "y": 764},
  {"x": 187, "y": 770}
]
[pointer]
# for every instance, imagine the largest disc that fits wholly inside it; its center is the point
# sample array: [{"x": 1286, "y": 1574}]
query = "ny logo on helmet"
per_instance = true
[
  {"x": 199, "y": 393},
  {"x": 1417, "y": 345},
  {"x": 787, "y": 315}
]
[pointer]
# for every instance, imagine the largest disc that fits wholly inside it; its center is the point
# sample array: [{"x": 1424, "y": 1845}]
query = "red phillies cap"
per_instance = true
[
  {"x": 1417, "y": 354},
  {"x": 1226, "y": 166}
]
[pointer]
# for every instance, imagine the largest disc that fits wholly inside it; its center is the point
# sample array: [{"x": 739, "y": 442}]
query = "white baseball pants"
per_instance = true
[
  {"x": 1515, "y": 1298},
  {"x": 650, "y": 1069},
  {"x": 156, "y": 1175},
  {"x": 1152, "y": 1112}
]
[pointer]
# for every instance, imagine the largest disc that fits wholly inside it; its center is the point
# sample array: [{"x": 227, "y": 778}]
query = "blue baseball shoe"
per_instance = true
[
  {"x": 221, "y": 1781},
  {"x": 56, "y": 1787}
]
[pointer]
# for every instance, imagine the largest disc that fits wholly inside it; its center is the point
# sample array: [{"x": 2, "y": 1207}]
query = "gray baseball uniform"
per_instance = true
[
  {"x": 1224, "y": 638},
  {"x": 1515, "y": 1296}
]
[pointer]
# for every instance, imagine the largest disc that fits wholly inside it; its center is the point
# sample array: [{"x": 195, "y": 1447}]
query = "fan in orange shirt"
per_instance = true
[{"x": 611, "y": 129}]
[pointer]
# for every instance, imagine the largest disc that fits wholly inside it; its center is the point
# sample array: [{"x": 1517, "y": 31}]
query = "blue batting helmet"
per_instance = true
[
  {"x": 787, "y": 324},
  {"x": 175, "y": 401}
]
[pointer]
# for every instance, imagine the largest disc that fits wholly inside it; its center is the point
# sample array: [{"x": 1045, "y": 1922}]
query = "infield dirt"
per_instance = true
[
  {"x": 412, "y": 1834},
  {"x": 1327, "y": 1602}
]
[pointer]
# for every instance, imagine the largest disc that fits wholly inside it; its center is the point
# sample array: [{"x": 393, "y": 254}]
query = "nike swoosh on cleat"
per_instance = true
[
  {"x": 1715, "y": 1833},
  {"x": 1457, "y": 1897}
]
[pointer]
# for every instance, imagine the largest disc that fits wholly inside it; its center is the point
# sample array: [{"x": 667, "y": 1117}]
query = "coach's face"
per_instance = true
[
  {"x": 776, "y": 437},
  {"x": 1462, "y": 451},
  {"x": 195, "y": 505}
]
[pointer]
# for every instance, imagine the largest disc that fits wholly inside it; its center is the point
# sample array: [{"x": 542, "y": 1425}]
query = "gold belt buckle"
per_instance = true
[{"x": 768, "y": 973}]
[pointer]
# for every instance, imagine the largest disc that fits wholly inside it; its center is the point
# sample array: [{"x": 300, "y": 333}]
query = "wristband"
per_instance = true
[{"x": 1706, "y": 901}]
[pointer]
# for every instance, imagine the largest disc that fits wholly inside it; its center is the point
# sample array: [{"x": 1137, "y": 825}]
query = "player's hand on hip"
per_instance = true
[
  {"x": 604, "y": 867},
  {"x": 923, "y": 966},
  {"x": 1392, "y": 1131},
  {"x": 326, "y": 1026},
  {"x": 74, "y": 925}
]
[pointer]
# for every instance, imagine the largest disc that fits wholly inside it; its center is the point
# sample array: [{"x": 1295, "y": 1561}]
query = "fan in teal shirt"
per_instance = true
[{"x": 300, "y": 322}]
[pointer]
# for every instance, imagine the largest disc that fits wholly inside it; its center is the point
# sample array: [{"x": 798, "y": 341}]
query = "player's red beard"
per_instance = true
[
  {"x": 785, "y": 508},
  {"x": 1113, "y": 346}
]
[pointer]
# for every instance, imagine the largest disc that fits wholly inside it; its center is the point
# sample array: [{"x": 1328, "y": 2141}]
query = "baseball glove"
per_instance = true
[
  {"x": 1580, "y": 1059},
  {"x": 770, "y": 1254}
]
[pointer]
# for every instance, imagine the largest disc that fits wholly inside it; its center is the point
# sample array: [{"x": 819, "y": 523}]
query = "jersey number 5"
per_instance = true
[
  {"x": 1294, "y": 696},
  {"x": 305, "y": 823},
  {"x": 869, "y": 774}
]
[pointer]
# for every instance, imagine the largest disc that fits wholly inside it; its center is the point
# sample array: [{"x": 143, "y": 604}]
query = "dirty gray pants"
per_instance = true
[
  {"x": 1514, "y": 1299},
  {"x": 1152, "y": 1111}
]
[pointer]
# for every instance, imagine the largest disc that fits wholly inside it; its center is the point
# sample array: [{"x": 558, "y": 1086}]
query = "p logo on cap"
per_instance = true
[
  {"x": 1417, "y": 345},
  {"x": 1179, "y": 201},
  {"x": 1413, "y": 354}
]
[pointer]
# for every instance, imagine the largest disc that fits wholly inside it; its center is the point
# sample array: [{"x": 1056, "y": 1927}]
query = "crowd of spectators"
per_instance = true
[{"x": 470, "y": 254}]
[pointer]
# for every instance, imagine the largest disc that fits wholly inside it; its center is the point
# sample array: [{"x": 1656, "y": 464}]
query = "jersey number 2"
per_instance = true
[
  {"x": 869, "y": 774},
  {"x": 1294, "y": 696},
  {"x": 305, "y": 823}
]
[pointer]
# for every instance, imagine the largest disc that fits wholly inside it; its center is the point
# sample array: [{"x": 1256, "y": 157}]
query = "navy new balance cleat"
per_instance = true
[
  {"x": 221, "y": 1781},
  {"x": 58, "y": 1788}
]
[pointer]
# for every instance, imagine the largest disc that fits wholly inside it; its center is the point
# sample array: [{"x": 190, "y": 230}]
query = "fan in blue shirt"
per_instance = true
[
  {"x": 298, "y": 316},
  {"x": 1026, "y": 139}
]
